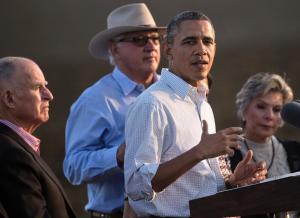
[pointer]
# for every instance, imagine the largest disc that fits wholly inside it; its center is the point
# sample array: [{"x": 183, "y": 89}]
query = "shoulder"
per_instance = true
[
  {"x": 235, "y": 159},
  {"x": 11, "y": 142},
  {"x": 156, "y": 96},
  {"x": 292, "y": 149},
  {"x": 206, "y": 109},
  {"x": 151, "y": 103},
  {"x": 290, "y": 145},
  {"x": 100, "y": 87},
  {"x": 8, "y": 141},
  {"x": 104, "y": 88},
  {"x": 13, "y": 146}
]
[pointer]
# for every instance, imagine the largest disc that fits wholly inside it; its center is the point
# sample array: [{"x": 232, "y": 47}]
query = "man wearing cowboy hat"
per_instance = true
[{"x": 95, "y": 141}]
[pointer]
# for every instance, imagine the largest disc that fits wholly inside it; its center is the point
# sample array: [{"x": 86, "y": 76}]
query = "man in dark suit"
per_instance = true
[
  {"x": 28, "y": 187},
  {"x": 3, "y": 213}
]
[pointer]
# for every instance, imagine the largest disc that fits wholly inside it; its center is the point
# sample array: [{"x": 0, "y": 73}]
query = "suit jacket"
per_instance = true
[
  {"x": 3, "y": 213},
  {"x": 28, "y": 187}
]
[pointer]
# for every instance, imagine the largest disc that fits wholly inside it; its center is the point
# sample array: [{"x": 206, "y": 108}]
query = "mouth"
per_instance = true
[
  {"x": 267, "y": 127},
  {"x": 199, "y": 62},
  {"x": 46, "y": 107},
  {"x": 150, "y": 58}
]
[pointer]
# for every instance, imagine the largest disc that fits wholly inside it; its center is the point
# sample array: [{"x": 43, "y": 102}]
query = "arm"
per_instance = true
[
  {"x": 90, "y": 151},
  {"x": 210, "y": 146},
  {"x": 146, "y": 138}
]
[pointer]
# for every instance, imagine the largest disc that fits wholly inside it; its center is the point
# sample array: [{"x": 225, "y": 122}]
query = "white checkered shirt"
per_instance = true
[{"x": 164, "y": 122}]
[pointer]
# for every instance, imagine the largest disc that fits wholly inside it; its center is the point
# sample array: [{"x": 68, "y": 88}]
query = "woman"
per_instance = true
[{"x": 259, "y": 103}]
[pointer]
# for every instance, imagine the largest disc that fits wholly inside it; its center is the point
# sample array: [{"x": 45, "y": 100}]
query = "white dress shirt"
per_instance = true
[{"x": 164, "y": 122}]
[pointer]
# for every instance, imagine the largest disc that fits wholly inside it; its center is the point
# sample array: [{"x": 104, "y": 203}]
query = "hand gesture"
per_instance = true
[
  {"x": 248, "y": 172},
  {"x": 222, "y": 142}
]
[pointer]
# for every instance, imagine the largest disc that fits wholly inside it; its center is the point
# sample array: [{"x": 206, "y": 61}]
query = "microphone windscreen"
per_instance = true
[{"x": 290, "y": 113}]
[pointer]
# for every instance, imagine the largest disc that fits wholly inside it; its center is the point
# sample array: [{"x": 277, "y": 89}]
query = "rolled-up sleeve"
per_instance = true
[{"x": 144, "y": 131}]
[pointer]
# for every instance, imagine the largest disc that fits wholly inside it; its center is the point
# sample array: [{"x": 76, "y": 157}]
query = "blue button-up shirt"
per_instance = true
[{"x": 94, "y": 131}]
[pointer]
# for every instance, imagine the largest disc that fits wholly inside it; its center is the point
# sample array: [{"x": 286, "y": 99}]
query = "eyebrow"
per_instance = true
[
  {"x": 264, "y": 102},
  {"x": 189, "y": 38},
  {"x": 209, "y": 38},
  {"x": 35, "y": 83},
  {"x": 197, "y": 38}
]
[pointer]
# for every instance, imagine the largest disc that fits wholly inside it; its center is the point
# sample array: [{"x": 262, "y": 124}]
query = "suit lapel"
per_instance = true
[{"x": 9, "y": 132}]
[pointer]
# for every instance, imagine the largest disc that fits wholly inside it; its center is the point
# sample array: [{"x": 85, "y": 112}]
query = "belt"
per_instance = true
[{"x": 96, "y": 214}]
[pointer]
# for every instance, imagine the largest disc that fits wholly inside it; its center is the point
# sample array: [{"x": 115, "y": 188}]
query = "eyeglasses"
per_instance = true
[{"x": 139, "y": 41}]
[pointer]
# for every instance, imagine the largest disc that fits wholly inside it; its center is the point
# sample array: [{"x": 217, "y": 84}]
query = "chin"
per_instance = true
[
  {"x": 150, "y": 70},
  {"x": 266, "y": 135},
  {"x": 200, "y": 74},
  {"x": 203, "y": 74},
  {"x": 44, "y": 118}
]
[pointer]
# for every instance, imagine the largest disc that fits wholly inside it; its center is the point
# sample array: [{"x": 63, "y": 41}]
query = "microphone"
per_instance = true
[{"x": 290, "y": 113}]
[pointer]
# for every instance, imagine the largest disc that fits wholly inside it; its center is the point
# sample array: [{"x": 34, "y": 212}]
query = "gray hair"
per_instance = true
[
  {"x": 7, "y": 67},
  {"x": 261, "y": 84},
  {"x": 111, "y": 58},
  {"x": 174, "y": 24}
]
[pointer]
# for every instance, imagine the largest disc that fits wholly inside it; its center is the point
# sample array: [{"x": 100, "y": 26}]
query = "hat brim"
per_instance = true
[{"x": 98, "y": 44}]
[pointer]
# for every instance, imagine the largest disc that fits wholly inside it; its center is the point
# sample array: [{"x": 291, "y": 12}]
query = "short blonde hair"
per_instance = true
[{"x": 261, "y": 84}]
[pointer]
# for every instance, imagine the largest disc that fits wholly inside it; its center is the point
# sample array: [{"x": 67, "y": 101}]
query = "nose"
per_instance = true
[
  {"x": 201, "y": 49},
  {"x": 46, "y": 94},
  {"x": 151, "y": 45},
  {"x": 269, "y": 114}
]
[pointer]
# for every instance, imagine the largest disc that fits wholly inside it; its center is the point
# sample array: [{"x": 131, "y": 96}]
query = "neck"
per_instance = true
[
  {"x": 28, "y": 128},
  {"x": 146, "y": 79},
  {"x": 194, "y": 83},
  {"x": 256, "y": 138}
]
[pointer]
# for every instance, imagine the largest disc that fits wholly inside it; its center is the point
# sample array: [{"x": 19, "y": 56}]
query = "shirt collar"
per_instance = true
[
  {"x": 180, "y": 87},
  {"x": 126, "y": 84},
  {"x": 31, "y": 140}
]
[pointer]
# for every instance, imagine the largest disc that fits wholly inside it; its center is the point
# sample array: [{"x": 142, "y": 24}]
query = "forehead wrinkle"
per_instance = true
[{"x": 203, "y": 32}]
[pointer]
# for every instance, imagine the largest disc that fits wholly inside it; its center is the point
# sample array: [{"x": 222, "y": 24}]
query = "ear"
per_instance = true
[
  {"x": 215, "y": 47},
  {"x": 167, "y": 51},
  {"x": 113, "y": 48},
  {"x": 8, "y": 98}
]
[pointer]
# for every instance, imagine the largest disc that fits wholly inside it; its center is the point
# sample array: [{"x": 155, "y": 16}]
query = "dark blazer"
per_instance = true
[
  {"x": 28, "y": 187},
  {"x": 3, "y": 213}
]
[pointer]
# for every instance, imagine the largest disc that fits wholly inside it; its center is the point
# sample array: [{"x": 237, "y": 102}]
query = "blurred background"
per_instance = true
[{"x": 252, "y": 36}]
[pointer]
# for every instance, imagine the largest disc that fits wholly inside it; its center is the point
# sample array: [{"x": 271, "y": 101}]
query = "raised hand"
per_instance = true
[
  {"x": 248, "y": 172},
  {"x": 222, "y": 142}
]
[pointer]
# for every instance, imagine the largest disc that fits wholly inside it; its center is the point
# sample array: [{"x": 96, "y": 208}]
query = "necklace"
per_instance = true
[{"x": 273, "y": 152}]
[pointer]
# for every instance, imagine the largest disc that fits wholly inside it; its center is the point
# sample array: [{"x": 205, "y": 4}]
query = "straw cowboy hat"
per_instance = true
[{"x": 128, "y": 18}]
